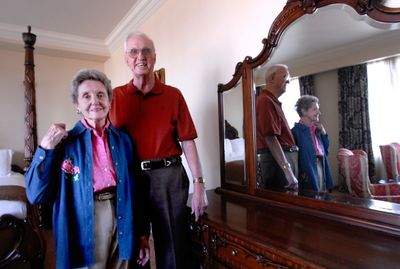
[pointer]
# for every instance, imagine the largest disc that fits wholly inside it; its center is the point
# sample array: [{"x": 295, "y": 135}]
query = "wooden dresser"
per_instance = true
[
  {"x": 247, "y": 226},
  {"x": 237, "y": 232}
]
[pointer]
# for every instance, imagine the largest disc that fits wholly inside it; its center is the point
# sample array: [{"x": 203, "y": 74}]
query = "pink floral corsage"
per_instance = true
[{"x": 70, "y": 169}]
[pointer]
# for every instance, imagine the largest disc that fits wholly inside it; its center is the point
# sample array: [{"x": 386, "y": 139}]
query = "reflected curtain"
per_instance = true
[
  {"x": 354, "y": 130},
  {"x": 307, "y": 85}
]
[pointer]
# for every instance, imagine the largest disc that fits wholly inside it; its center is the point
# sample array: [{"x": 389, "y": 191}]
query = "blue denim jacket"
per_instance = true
[
  {"x": 308, "y": 158},
  {"x": 70, "y": 189}
]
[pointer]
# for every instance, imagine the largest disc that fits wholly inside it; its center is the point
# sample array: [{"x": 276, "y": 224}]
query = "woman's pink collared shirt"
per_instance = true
[
  {"x": 319, "y": 151},
  {"x": 104, "y": 175}
]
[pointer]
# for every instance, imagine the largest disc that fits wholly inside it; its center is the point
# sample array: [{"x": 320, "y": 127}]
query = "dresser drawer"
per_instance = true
[
  {"x": 198, "y": 249},
  {"x": 238, "y": 253}
]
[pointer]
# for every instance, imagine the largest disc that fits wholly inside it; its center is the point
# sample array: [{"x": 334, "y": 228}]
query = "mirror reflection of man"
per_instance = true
[{"x": 277, "y": 153}]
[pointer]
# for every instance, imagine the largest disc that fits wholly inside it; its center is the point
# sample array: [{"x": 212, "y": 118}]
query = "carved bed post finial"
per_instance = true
[{"x": 30, "y": 100}]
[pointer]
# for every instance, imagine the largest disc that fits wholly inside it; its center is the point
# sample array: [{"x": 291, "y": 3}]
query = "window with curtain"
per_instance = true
[
  {"x": 384, "y": 104},
  {"x": 289, "y": 99}
]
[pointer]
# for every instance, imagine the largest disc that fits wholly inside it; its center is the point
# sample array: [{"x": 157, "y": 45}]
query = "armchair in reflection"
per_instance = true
[
  {"x": 391, "y": 160},
  {"x": 353, "y": 165}
]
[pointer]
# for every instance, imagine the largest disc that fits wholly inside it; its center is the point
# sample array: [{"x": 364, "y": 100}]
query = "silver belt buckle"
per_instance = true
[
  {"x": 104, "y": 196},
  {"x": 142, "y": 165},
  {"x": 167, "y": 163}
]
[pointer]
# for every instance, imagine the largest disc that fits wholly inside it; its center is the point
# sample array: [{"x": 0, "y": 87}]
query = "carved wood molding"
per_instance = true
[
  {"x": 235, "y": 78},
  {"x": 295, "y": 9},
  {"x": 30, "y": 98},
  {"x": 197, "y": 229},
  {"x": 160, "y": 74},
  {"x": 241, "y": 249}
]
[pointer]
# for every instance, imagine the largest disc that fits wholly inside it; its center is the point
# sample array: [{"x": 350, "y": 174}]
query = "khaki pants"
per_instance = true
[{"x": 105, "y": 237}]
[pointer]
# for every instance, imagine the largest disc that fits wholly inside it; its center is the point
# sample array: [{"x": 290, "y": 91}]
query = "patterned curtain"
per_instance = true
[
  {"x": 307, "y": 85},
  {"x": 355, "y": 131}
]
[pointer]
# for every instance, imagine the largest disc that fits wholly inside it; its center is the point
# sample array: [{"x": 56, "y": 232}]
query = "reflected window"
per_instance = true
[
  {"x": 390, "y": 3},
  {"x": 384, "y": 96},
  {"x": 289, "y": 99}
]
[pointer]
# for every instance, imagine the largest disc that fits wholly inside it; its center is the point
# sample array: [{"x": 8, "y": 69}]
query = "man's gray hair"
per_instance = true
[
  {"x": 272, "y": 70},
  {"x": 89, "y": 74},
  {"x": 134, "y": 34}
]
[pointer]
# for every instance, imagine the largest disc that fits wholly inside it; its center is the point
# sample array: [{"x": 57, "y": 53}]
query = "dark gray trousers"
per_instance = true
[
  {"x": 270, "y": 174},
  {"x": 168, "y": 194}
]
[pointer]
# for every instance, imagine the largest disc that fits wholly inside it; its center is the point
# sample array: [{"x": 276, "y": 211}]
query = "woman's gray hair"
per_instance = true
[
  {"x": 305, "y": 102},
  {"x": 134, "y": 34},
  {"x": 89, "y": 74}
]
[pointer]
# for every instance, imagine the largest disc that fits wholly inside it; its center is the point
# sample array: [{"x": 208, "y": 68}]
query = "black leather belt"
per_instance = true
[
  {"x": 290, "y": 148},
  {"x": 104, "y": 195},
  {"x": 284, "y": 148},
  {"x": 159, "y": 163}
]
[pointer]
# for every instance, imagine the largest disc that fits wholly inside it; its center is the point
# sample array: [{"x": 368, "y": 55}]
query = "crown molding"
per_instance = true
[
  {"x": 142, "y": 10},
  {"x": 54, "y": 43}
]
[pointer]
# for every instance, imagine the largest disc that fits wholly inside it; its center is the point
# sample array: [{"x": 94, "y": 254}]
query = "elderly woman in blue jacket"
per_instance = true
[
  {"x": 87, "y": 175},
  {"x": 313, "y": 143}
]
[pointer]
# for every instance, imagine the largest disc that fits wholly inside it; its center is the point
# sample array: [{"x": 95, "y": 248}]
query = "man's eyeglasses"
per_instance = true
[{"x": 135, "y": 52}]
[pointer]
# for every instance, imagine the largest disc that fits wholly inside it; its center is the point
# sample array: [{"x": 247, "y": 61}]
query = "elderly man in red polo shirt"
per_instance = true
[
  {"x": 158, "y": 120},
  {"x": 277, "y": 153}
]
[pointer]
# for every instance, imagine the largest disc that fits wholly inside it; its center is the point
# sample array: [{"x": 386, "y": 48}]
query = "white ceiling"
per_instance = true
[
  {"x": 87, "y": 18},
  {"x": 332, "y": 37},
  {"x": 88, "y": 27},
  {"x": 91, "y": 28}
]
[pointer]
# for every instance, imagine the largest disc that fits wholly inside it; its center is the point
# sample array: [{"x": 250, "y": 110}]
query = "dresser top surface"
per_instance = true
[{"x": 324, "y": 241}]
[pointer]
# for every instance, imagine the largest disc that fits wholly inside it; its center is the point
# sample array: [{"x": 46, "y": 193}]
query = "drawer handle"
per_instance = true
[{"x": 234, "y": 252}]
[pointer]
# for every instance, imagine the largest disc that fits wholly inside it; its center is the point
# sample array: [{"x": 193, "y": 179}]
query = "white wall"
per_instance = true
[
  {"x": 53, "y": 102},
  {"x": 326, "y": 88},
  {"x": 199, "y": 44},
  {"x": 12, "y": 106}
]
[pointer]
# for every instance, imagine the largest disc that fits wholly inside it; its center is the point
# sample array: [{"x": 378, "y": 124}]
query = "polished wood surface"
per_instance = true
[{"x": 288, "y": 238}]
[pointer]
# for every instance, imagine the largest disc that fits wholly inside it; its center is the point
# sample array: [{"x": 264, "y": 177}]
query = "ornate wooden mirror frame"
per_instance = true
[{"x": 356, "y": 211}]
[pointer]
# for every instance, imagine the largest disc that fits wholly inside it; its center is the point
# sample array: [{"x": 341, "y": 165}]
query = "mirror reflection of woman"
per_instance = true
[{"x": 313, "y": 143}]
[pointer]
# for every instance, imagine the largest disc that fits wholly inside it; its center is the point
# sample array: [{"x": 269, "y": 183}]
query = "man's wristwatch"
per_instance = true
[
  {"x": 200, "y": 180},
  {"x": 286, "y": 166}
]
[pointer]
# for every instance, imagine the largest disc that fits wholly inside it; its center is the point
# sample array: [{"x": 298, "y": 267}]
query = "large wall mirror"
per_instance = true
[{"x": 311, "y": 37}]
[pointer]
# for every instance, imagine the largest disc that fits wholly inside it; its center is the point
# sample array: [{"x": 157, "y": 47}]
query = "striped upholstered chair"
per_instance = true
[
  {"x": 353, "y": 166},
  {"x": 391, "y": 160}
]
